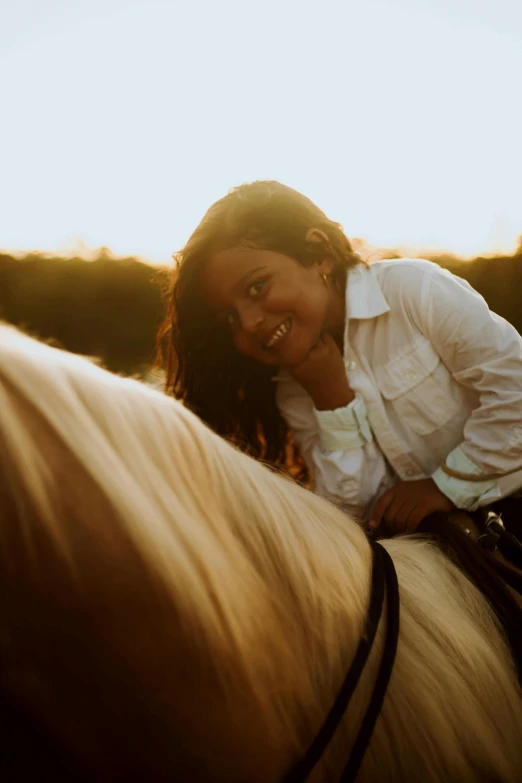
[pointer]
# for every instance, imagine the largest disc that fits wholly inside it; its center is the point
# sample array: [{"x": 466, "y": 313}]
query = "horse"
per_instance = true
[{"x": 174, "y": 610}]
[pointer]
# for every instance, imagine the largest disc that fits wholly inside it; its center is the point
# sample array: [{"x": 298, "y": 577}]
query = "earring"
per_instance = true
[{"x": 325, "y": 278}]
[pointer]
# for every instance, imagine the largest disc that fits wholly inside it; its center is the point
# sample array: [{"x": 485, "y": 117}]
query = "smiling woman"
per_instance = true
[
  {"x": 400, "y": 387},
  {"x": 253, "y": 290}
]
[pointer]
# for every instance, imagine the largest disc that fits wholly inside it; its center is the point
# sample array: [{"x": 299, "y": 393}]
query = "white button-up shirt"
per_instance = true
[{"x": 438, "y": 381}]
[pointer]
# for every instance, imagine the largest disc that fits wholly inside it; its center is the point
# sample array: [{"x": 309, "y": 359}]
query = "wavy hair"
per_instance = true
[
  {"x": 173, "y": 610},
  {"x": 233, "y": 393}
]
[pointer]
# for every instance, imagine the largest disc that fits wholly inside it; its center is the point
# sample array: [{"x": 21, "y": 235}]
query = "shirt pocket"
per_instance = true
[{"x": 419, "y": 387}]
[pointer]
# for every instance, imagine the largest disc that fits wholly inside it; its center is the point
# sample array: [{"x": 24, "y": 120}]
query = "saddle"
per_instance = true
[
  {"x": 500, "y": 548},
  {"x": 486, "y": 528},
  {"x": 491, "y": 556}
]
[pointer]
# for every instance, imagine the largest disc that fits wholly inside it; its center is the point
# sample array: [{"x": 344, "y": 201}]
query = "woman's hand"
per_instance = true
[
  {"x": 323, "y": 375},
  {"x": 403, "y": 507}
]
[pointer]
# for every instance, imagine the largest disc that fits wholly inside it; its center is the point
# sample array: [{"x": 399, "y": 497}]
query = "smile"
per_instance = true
[{"x": 278, "y": 334}]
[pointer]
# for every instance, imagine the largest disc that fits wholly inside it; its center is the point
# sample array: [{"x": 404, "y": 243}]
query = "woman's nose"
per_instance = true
[{"x": 252, "y": 318}]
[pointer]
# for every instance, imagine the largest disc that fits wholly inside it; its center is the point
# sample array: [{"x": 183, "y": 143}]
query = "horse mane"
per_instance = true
[{"x": 172, "y": 609}]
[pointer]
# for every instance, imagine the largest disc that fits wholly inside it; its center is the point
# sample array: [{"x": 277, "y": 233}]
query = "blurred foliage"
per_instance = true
[
  {"x": 499, "y": 280},
  {"x": 111, "y": 308}
]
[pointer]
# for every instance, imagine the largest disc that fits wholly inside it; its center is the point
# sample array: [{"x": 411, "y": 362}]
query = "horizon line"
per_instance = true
[{"x": 361, "y": 246}]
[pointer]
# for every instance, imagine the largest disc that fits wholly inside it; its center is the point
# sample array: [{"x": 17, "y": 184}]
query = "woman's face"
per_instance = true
[{"x": 274, "y": 308}]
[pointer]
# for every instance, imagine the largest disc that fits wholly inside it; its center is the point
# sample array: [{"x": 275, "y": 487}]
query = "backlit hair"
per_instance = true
[
  {"x": 233, "y": 393},
  {"x": 173, "y": 610}
]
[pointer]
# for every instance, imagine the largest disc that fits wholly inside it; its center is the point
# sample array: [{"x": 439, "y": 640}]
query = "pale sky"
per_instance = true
[{"x": 121, "y": 121}]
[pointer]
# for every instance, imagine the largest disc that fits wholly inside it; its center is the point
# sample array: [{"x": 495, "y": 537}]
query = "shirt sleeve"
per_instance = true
[
  {"x": 338, "y": 447},
  {"x": 484, "y": 352},
  {"x": 464, "y": 494}
]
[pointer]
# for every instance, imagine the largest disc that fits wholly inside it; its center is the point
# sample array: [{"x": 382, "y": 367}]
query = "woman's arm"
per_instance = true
[
  {"x": 346, "y": 463},
  {"x": 484, "y": 352}
]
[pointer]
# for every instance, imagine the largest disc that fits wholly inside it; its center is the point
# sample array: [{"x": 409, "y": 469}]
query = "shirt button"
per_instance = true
[
  {"x": 410, "y": 376},
  {"x": 411, "y": 472},
  {"x": 351, "y": 365}
]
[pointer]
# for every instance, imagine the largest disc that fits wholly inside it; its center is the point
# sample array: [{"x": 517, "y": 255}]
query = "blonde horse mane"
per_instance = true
[{"x": 173, "y": 610}]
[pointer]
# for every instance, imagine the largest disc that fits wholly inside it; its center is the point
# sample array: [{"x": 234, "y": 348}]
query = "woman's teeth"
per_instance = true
[{"x": 282, "y": 330}]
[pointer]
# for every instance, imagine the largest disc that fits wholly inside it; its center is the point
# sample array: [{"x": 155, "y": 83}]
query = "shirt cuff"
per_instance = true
[
  {"x": 344, "y": 428},
  {"x": 464, "y": 494}
]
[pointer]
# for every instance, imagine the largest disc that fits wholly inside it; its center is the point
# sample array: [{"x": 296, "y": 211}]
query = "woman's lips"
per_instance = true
[{"x": 277, "y": 334}]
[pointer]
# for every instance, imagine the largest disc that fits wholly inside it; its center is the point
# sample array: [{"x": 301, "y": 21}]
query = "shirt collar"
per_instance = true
[{"x": 364, "y": 296}]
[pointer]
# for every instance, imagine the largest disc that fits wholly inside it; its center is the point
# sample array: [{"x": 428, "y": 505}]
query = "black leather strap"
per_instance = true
[{"x": 383, "y": 575}]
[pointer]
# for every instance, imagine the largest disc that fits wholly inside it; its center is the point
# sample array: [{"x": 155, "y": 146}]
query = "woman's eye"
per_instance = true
[{"x": 254, "y": 289}]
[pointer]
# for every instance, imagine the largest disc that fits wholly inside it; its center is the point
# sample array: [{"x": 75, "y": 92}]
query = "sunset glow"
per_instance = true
[{"x": 122, "y": 120}]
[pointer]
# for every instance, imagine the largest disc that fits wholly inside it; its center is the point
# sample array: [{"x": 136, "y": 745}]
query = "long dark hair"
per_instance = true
[{"x": 232, "y": 393}]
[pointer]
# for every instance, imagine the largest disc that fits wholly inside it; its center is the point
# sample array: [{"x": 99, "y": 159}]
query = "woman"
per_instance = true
[{"x": 400, "y": 387}]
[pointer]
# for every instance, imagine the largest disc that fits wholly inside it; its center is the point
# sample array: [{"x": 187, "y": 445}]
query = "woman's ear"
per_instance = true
[
  {"x": 325, "y": 266},
  {"x": 316, "y": 235}
]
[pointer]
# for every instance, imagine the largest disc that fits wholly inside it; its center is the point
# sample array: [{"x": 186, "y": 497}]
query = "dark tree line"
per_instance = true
[
  {"x": 106, "y": 307},
  {"x": 111, "y": 308}
]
